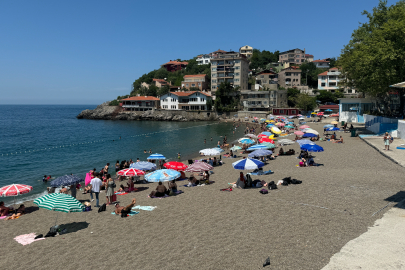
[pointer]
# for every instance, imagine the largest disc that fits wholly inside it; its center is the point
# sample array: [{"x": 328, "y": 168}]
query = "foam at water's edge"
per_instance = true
[{"x": 26, "y": 199}]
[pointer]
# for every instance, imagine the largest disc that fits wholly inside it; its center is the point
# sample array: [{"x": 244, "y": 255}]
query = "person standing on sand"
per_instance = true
[
  {"x": 387, "y": 141},
  {"x": 95, "y": 185}
]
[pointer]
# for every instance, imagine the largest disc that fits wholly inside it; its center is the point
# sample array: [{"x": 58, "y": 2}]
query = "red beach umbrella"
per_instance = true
[
  {"x": 14, "y": 190},
  {"x": 304, "y": 126},
  {"x": 266, "y": 140},
  {"x": 262, "y": 136},
  {"x": 199, "y": 167},
  {"x": 175, "y": 165},
  {"x": 131, "y": 172}
]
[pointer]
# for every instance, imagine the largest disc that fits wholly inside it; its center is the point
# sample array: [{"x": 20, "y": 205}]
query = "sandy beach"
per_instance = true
[{"x": 297, "y": 226}]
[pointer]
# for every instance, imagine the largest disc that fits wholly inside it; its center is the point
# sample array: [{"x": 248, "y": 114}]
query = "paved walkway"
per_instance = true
[{"x": 383, "y": 245}]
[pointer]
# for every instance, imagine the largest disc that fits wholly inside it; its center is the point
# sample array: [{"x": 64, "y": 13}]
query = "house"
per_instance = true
[
  {"x": 204, "y": 59},
  {"x": 140, "y": 103},
  {"x": 329, "y": 80},
  {"x": 285, "y": 111},
  {"x": 246, "y": 51},
  {"x": 231, "y": 67},
  {"x": 289, "y": 77},
  {"x": 352, "y": 109},
  {"x": 263, "y": 100},
  {"x": 321, "y": 63},
  {"x": 173, "y": 66},
  {"x": 199, "y": 81},
  {"x": 159, "y": 82},
  {"x": 189, "y": 100},
  {"x": 266, "y": 79},
  {"x": 295, "y": 56},
  {"x": 309, "y": 57}
]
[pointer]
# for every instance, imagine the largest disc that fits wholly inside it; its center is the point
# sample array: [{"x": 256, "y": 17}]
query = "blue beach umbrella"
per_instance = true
[
  {"x": 312, "y": 148},
  {"x": 267, "y": 133},
  {"x": 247, "y": 164},
  {"x": 218, "y": 149},
  {"x": 143, "y": 165},
  {"x": 328, "y": 110},
  {"x": 333, "y": 129},
  {"x": 162, "y": 175},
  {"x": 304, "y": 141},
  {"x": 246, "y": 141},
  {"x": 328, "y": 126},
  {"x": 66, "y": 180},
  {"x": 260, "y": 153},
  {"x": 291, "y": 123},
  {"x": 256, "y": 147},
  {"x": 309, "y": 135},
  {"x": 156, "y": 156}
]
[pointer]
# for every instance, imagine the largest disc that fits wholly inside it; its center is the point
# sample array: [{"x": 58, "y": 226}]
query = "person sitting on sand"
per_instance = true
[
  {"x": 281, "y": 152},
  {"x": 3, "y": 210},
  {"x": 241, "y": 181},
  {"x": 338, "y": 141},
  {"x": 192, "y": 181},
  {"x": 173, "y": 186},
  {"x": 160, "y": 190},
  {"x": 311, "y": 161},
  {"x": 206, "y": 177},
  {"x": 127, "y": 209},
  {"x": 20, "y": 211},
  {"x": 303, "y": 162}
]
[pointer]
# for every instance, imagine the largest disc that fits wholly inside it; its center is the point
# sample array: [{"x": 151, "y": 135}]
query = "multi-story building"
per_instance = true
[
  {"x": 204, "y": 59},
  {"x": 140, "y": 103},
  {"x": 199, "y": 81},
  {"x": 289, "y": 77},
  {"x": 329, "y": 80},
  {"x": 321, "y": 63},
  {"x": 266, "y": 80},
  {"x": 173, "y": 66},
  {"x": 189, "y": 100},
  {"x": 295, "y": 56},
  {"x": 231, "y": 67},
  {"x": 246, "y": 51},
  {"x": 263, "y": 100},
  {"x": 159, "y": 82},
  {"x": 309, "y": 57}
]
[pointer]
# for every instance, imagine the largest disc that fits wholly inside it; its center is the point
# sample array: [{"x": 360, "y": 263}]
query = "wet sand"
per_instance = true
[{"x": 298, "y": 226}]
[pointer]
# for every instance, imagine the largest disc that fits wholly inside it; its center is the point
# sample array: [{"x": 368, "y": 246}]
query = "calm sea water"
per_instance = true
[{"x": 37, "y": 140}]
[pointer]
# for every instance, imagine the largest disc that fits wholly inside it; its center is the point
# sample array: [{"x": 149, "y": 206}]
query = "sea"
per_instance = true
[{"x": 38, "y": 140}]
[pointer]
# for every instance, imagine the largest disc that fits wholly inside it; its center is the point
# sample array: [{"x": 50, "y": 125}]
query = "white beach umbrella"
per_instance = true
[
  {"x": 210, "y": 152},
  {"x": 285, "y": 141},
  {"x": 311, "y": 131}
]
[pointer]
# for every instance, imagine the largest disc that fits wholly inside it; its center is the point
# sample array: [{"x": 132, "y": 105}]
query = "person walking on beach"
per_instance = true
[
  {"x": 387, "y": 141},
  {"x": 95, "y": 185}
]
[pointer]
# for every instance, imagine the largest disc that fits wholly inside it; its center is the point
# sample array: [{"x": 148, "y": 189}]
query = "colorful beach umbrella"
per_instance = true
[
  {"x": 210, "y": 152},
  {"x": 130, "y": 172},
  {"x": 304, "y": 126},
  {"x": 275, "y": 130},
  {"x": 309, "y": 135},
  {"x": 59, "y": 202},
  {"x": 304, "y": 141},
  {"x": 246, "y": 141},
  {"x": 256, "y": 147},
  {"x": 334, "y": 122},
  {"x": 280, "y": 124},
  {"x": 309, "y": 130},
  {"x": 288, "y": 126},
  {"x": 175, "y": 165},
  {"x": 269, "y": 145},
  {"x": 66, "y": 180},
  {"x": 333, "y": 129},
  {"x": 247, "y": 164},
  {"x": 143, "y": 165},
  {"x": 260, "y": 153},
  {"x": 236, "y": 148},
  {"x": 14, "y": 190},
  {"x": 286, "y": 141},
  {"x": 328, "y": 126},
  {"x": 312, "y": 148},
  {"x": 162, "y": 175},
  {"x": 262, "y": 140},
  {"x": 262, "y": 136},
  {"x": 251, "y": 136},
  {"x": 156, "y": 156},
  {"x": 199, "y": 167},
  {"x": 266, "y": 133},
  {"x": 299, "y": 133}
]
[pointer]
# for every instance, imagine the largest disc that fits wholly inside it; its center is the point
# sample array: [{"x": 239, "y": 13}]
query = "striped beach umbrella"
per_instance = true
[
  {"x": 14, "y": 190},
  {"x": 162, "y": 175},
  {"x": 247, "y": 164},
  {"x": 156, "y": 156},
  {"x": 236, "y": 148},
  {"x": 256, "y": 147},
  {"x": 59, "y": 202},
  {"x": 199, "y": 167},
  {"x": 269, "y": 145},
  {"x": 299, "y": 133},
  {"x": 130, "y": 172}
]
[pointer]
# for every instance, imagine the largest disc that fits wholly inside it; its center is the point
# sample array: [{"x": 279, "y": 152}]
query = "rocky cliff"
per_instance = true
[{"x": 105, "y": 112}]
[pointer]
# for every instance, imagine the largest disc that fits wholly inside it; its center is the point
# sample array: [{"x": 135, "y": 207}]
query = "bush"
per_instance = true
[{"x": 114, "y": 103}]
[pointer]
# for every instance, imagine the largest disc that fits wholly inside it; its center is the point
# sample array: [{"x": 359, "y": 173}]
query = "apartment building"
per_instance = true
[
  {"x": 295, "y": 56},
  {"x": 204, "y": 59},
  {"x": 329, "y": 80},
  {"x": 263, "y": 100},
  {"x": 199, "y": 80},
  {"x": 140, "y": 103},
  {"x": 246, "y": 51},
  {"x": 266, "y": 79},
  {"x": 289, "y": 77},
  {"x": 231, "y": 67},
  {"x": 321, "y": 63},
  {"x": 309, "y": 57},
  {"x": 159, "y": 82}
]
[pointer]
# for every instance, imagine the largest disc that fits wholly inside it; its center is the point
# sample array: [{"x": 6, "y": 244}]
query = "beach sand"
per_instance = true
[{"x": 297, "y": 226}]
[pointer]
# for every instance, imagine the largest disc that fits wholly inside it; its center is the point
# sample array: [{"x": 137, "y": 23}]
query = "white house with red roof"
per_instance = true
[
  {"x": 187, "y": 100},
  {"x": 140, "y": 103},
  {"x": 329, "y": 80},
  {"x": 321, "y": 63}
]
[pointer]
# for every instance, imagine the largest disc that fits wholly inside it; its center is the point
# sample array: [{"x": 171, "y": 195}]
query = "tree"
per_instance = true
[
  {"x": 163, "y": 90},
  {"x": 332, "y": 62},
  {"x": 304, "y": 102},
  {"x": 292, "y": 93},
  {"x": 226, "y": 99},
  {"x": 310, "y": 71},
  {"x": 374, "y": 58},
  {"x": 260, "y": 59}
]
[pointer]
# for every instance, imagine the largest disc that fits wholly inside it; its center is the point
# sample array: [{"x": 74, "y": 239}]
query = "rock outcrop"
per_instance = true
[{"x": 106, "y": 112}]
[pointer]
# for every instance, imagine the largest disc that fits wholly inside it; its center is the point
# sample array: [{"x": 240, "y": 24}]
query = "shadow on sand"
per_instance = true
[{"x": 398, "y": 198}]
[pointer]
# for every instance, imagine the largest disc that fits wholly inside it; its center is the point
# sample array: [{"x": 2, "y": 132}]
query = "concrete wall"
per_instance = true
[
  {"x": 258, "y": 114},
  {"x": 379, "y": 125},
  {"x": 401, "y": 129},
  {"x": 348, "y": 117}
]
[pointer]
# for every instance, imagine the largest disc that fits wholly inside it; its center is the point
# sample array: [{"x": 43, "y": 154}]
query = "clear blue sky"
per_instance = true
[{"x": 88, "y": 52}]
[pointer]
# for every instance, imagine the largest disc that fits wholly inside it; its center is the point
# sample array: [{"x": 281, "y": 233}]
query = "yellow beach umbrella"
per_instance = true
[
  {"x": 313, "y": 112},
  {"x": 268, "y": 121},
  {"x": 272, "y": 121},
  {"x": 275, "y": 130},
  {"x": 271, "y": 137},
  {"x": 334, "y": 122}
]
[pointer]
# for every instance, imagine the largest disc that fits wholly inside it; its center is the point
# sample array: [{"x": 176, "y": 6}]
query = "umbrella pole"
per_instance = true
[{"x": 56, "y": 217}]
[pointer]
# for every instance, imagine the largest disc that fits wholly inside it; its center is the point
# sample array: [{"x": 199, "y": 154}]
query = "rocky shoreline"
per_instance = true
[{"x": 106, "y": 112}]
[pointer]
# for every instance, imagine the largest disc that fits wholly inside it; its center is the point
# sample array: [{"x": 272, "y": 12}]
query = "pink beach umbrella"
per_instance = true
[
  {"x": 299, "y": 133},
  {"x": 199, "y": 167},
  {"x": 131, "y": 172},
  {"x": 280, "y": 124},
  {"x": 304, "y": 126},
  {"x": 299, "y": 114}
]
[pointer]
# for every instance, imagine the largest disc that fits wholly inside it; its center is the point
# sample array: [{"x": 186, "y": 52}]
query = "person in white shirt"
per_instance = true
[{"x": 95, "y": 185}]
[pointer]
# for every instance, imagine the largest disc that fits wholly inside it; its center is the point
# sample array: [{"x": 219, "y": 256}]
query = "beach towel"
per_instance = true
[
  {"x": 120, "y": 193},
  {"x": 226, "y": 189},
  {"x": 87, "y": 180},
  {"x": 166, "y": 196},
  {"x": 132, "y": 213},
  {"x": 145, "y": 208},
  {"x": 27, "y": 239},
  {"x": 3, "y": 217}
]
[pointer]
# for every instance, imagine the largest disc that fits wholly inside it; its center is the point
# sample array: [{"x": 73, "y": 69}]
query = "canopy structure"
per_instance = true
[
  {"x": 130, "y": 172},
  {"x": 59, "y": 202},
  {"x": 14, "y": 190},
  {"x": 175, "y": 165}
]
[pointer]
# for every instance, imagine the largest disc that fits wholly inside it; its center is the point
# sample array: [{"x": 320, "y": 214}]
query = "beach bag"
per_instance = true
[
  {"x": 87, "y": 208},
  {"x": 102, "y": 208},
  {"x": 264, "y": 191},
  {"x": 114, "y": 185}
]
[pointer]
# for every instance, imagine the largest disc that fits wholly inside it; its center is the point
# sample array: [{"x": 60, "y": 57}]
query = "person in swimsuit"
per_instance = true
[
  {"x": 20, "y": 212},
  {"x": 3, "y": 210},
  {"x": 121, "y": 209}
]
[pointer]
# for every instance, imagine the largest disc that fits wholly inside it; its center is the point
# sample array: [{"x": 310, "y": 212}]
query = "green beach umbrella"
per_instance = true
[
  {"x": 269, "y": 145},
  {"x": 235, "y": 148},
  {"x": 289, "y": 126}
]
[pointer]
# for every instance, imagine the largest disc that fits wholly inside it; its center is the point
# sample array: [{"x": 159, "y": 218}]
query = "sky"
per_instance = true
[{"x": 89, "y": 52}]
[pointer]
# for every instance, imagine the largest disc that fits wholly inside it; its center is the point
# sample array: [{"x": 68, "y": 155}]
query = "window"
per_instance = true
[
  {"x": 293, "y": 112},
  {"x": 199, "y": 84},
  {"x": 236, "y": 80},
  {"x": 186, "y": 84},
  {"x": 213, "y": 63},
  {"x": 202, "y": 99},
  {"x": 264, "y": 102},
  {"x": 288, "y": 74},
  {"x": 349, "y": 91},
  {"x": 214, "y": 75},
  {"x": 323, "y": 77},
  {"x": 214, "y": 87},
  {"x": 214, "y": 69},
  {"x": 214, "y": 81},
  {"x": 332, "y": 84},
  {"x": 237, "y": 61},
  {"x": 323, "y": 84},
  {"x": 281, "y": 111},
  {"x": 193, "y": 84},
  {"x": 236, "y": 74},
  {"x": 298, "y": 60},
  {"x": 237, "y": 67}
]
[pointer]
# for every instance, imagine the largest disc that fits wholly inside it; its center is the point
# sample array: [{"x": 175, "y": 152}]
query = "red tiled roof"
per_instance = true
[
  {"x": 320, "y": 61},
  {"x": 187, "y": 93},
  {"x": 142, "y": 98},
  {"x": 197, "y": 75},
  {"x": 175, "y": 63},
  {"x": 220, "y": 51},
  {"x": 323, "y": 73},
  {"x": 159, "y": 80},
  {"x": 309, "y": 55}
]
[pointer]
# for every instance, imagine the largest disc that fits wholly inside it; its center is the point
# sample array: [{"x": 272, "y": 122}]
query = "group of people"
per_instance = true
[
  {"x": 162, "y": 191},
  {"x": 5, "y": 211},
  {"x": 204, "y": 179},
  {"x": 306, "y": 159}
]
